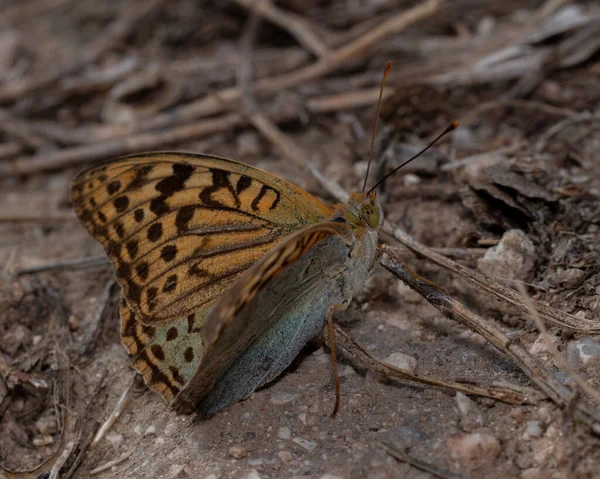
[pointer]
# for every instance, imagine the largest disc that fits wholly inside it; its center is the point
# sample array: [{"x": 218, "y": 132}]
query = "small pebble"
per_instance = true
[
  {"x": 512, "y": 258},
  {"x": 533, "y": 429},
  {"x": 73, "y": 322},
  {"x": 285, "y": 456},
  {"x": 464, "y": 405},
  {"x": 569, "y": 279},
  {"x": 380, "y": 327},
  {"x": 282, "y": 397},
  {"x": 474, "y": 450},
  {"x": 302, "y": 418},
  {"x": 137, "y": 430},
  {"x": 402, "y": 361},
  {"x": 150, "y": 431},
  {"x": 46, "y": 425},
  {"x": 41, "y": 441},
  {"x": 238, "y": 452},
  {"x": 285, "y": 433},
  {"x": 582, "y": 351},
  {"x": 305, "y": 443},
  {"x": 115, "y": 439}
]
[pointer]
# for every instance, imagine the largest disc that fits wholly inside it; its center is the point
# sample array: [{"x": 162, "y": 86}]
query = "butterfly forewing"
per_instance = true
[{"x": 180, "y": 228}]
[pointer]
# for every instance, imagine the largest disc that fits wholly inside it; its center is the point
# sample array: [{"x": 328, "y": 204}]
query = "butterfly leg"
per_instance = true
[{"x": 333, "y": 357}]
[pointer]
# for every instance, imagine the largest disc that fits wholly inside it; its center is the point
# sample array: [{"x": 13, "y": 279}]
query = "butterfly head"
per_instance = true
[{"x": 363, "y": 210}]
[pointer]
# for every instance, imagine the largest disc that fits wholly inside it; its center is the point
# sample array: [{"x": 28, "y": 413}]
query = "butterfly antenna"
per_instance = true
[
  {"x": 388, "y": 69},
  {"x": 452, "y": 126}
]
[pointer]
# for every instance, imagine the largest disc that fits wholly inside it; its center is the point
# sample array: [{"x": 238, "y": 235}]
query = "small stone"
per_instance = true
[
  {"x": 253, "y": 474},
  {"x": 302, "y": 418},
  {"x": 36, "y": 339},
  {"x": 46, "y": 425},
  {"x": 569, "y": 278},
  {"x": 73, "y": 322},
  {"x": 137, "y": 430},
  {"x": 410, "y": 179},
  {"x": 540, "y": 345},
  {"x": 533, "y": 429},
  {"x": 282, "y": 397},
  {"x": 582, "y": 351},
  {"x": 115, "y": 439},
  {"x": 285, "y": 456},
  {"x": 150, "y": 431},
  {"x": 305, "y": 443},
  {"x": 245, "y": 416},
  {"x": 211, "y": 476},
  {"x": 531, "y": 473},
  {"x": 464, "y": 405},
  {"x": 403, "y": 361},
  {"x": 238, "y": 452},
  {"x": 512, "y": 258},
  {"x": 285, "y": 433},
  {"x": 474, "y": 450},
  {"x": 331, "y": 476},
  {"x": 380, "y": 327},
  {"x": 42, "y": 441}
]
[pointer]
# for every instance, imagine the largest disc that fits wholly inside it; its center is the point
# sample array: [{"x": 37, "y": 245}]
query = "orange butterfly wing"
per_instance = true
[{"x": 181, "y": 228}]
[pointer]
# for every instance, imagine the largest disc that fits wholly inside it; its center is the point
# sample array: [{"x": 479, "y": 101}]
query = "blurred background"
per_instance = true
[{"x": 514, "y": 192}]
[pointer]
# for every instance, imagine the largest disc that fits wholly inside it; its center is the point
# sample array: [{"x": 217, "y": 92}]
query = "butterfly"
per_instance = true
[{"x": 226, "y": 270}]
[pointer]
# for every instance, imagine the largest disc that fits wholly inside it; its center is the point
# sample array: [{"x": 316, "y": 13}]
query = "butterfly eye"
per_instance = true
[{"x": 370, "y": 215}]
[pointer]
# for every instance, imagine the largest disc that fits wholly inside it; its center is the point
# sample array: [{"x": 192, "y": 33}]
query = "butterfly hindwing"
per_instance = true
[
  {"x": 181, "y": 228},
  {"x": 256, "y": 329}
]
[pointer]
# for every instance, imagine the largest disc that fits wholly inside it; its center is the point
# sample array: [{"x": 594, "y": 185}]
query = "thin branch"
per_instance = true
[
  {"x": 506, "y": 393},
  {"x": 353, "y": 50},
  {"x": 298, "y": 27},
  {"x": 453, "y": 309},
  {"x": 107, "y": 39},
  {"x": 486, "y": 285},
  {"x": 115, "y": 414}
]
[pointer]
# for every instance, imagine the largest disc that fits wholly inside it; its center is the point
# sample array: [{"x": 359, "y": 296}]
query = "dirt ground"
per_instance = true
[{"x": 513, "y": 193}]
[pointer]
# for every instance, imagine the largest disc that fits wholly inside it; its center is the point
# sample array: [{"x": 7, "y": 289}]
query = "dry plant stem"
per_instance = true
[
  {"x": 298, "y": 27},
  {"x": 353, "y": 50},
  {"x": 453, "y": 309},
  {"x": 148, "y": 141},
  {"x": 507, "y": 394},
  {"x": 109, "y": 464},
  {"x": 129, "y": 18},
  {"x": 418, "y": 463},
  {"x": 559, "y": 360},
  {"x": 114, "y": 415},
  {"x": 62, "y": 459},
  {"x": 486, "y": 285},
  {"x": 66, "y": 264}
]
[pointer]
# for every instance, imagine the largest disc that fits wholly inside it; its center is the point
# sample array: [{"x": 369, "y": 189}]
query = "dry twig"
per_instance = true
[
  {"x": 217, "y": 102},
  {"x": 453, "y": 309},
  {"x": 506, "y": 393},
  {"x": 295, "y": 25},
  {"x": 120, "y": 28}
]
